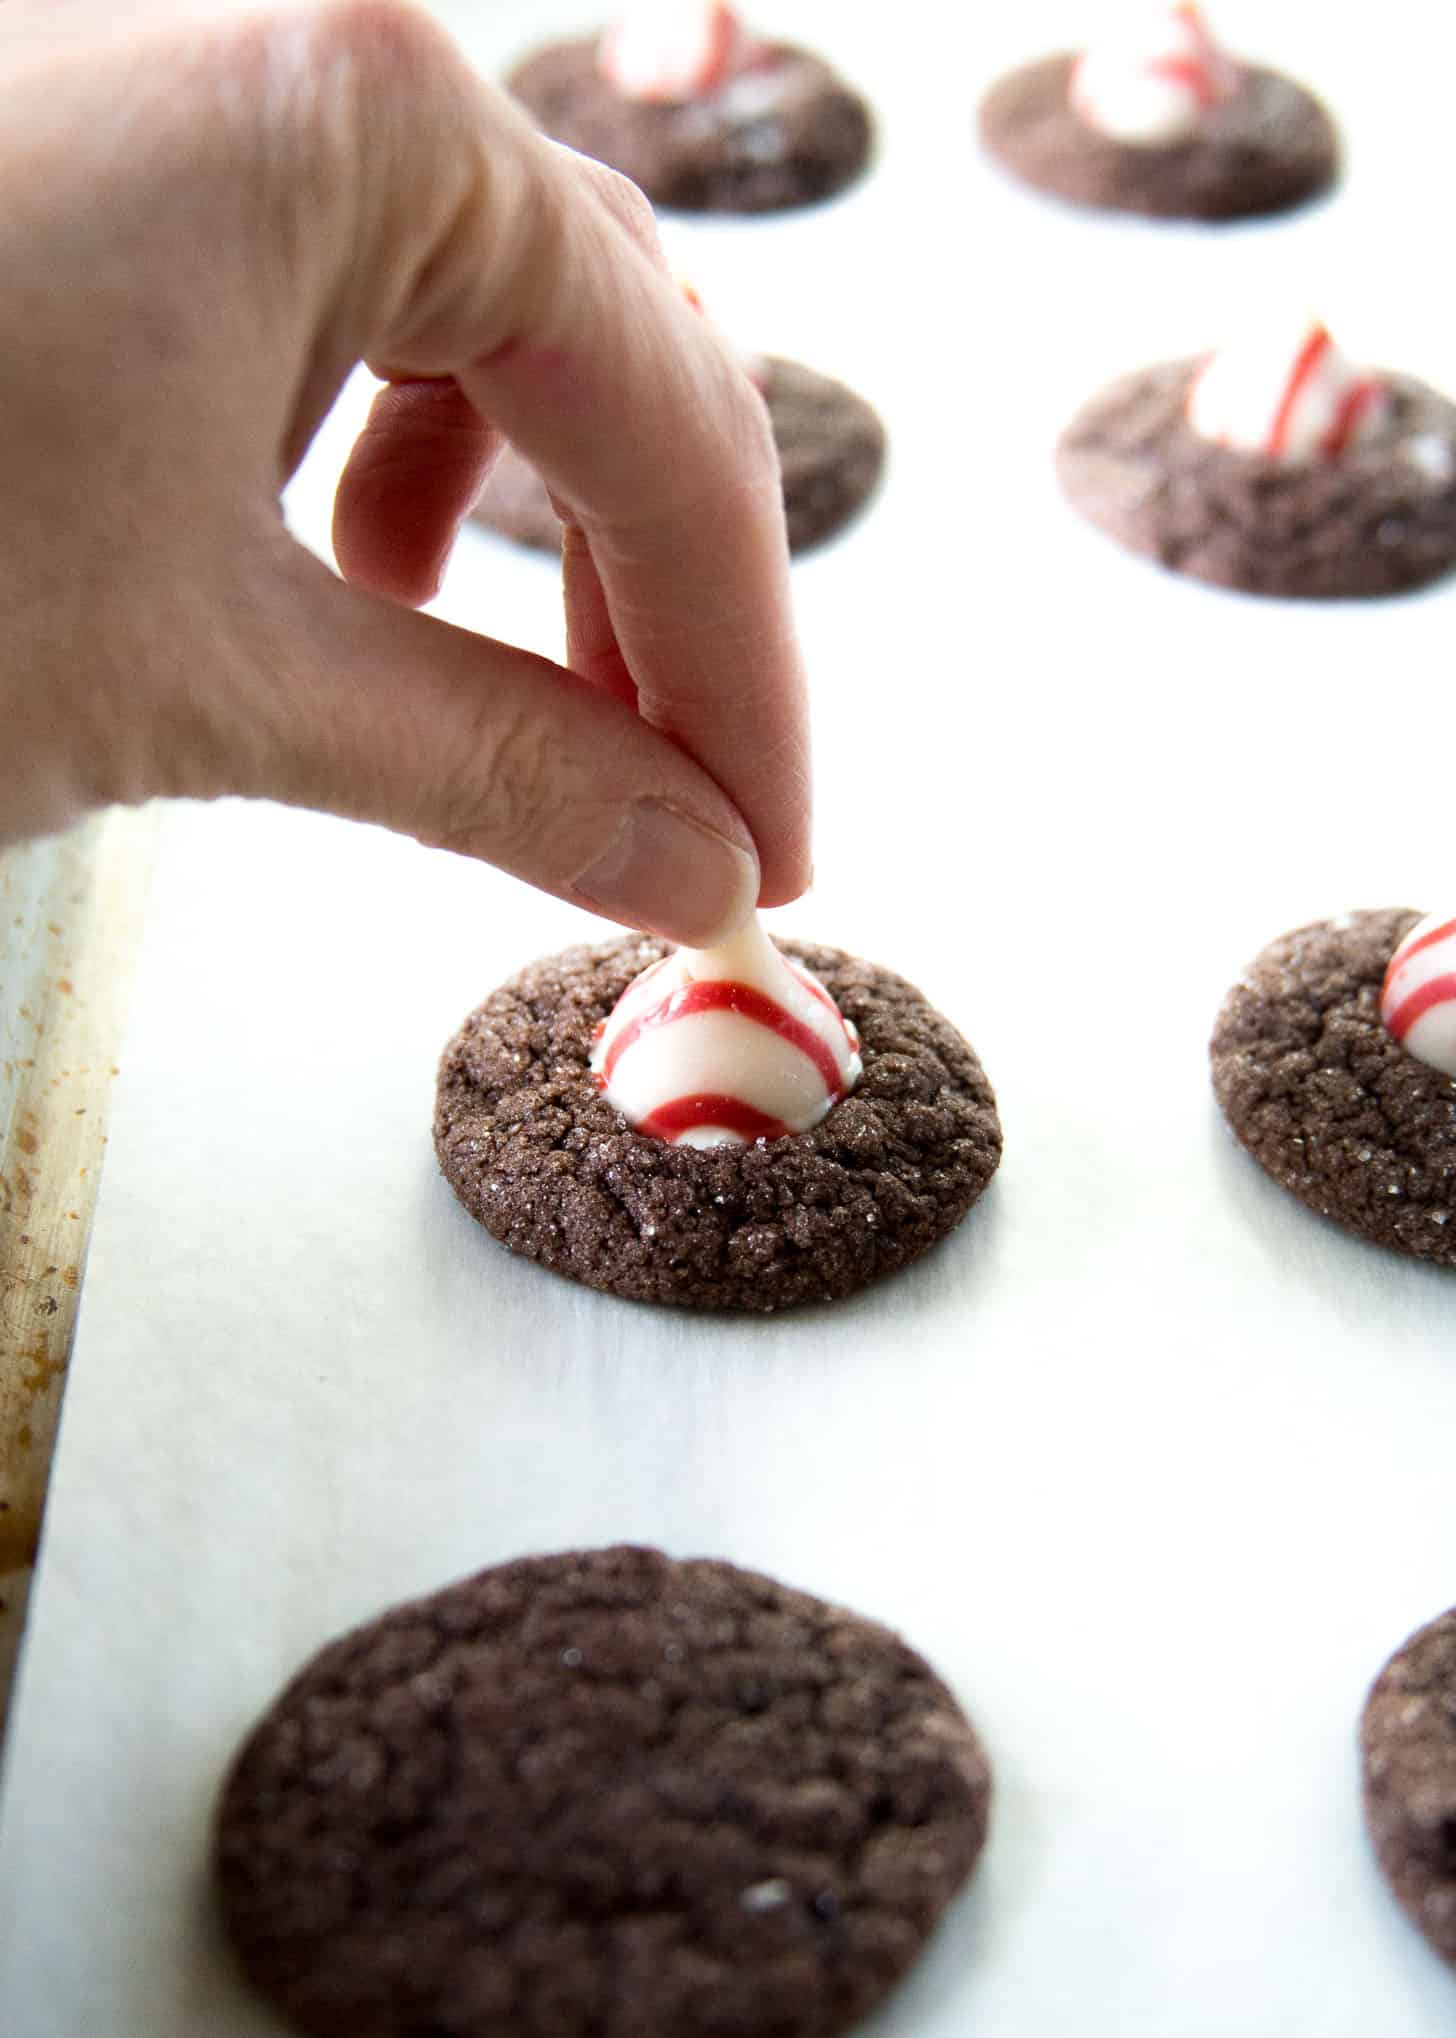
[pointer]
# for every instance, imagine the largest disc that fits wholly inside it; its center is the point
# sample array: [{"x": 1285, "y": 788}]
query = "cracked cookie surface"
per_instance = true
[
  {"x": 788, "y": 132},
  {"x": 533, "y": 1150},
  {"x": 831, "y": 447},
  {"x": 1380, "y": 519},
  {"x": 601, "y": 1794},
  {"x": 1408, "y": 1756},
  {"x": 1323, "y": 1098},
  {"x": 1268, "y": 148}
]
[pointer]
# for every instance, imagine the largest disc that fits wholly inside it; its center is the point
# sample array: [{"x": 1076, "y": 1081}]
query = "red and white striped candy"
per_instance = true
[
  {"x": 674, "y": 51},
  {"x": 1152, "y": 86},
  {"x": 1418, "y": 997},
  {"x": 1289, "y": 394},
  {"x": 722, "y": 1046}
]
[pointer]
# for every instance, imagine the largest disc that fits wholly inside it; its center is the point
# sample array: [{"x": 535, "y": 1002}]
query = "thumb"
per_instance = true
[{"x": 382, "y": 714}]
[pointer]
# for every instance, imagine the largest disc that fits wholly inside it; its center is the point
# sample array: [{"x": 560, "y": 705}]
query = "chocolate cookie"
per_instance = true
[
  {"x": 1324, "y": 1099},
  {"x": 1408, "y": 1748},
  {"x": 1379, "y": 519},
  {"x": 599, "y": 1793},
  {"x": 831, "y": 449},
  {"x": 1267, "y": 148},
  {"x": 784, "y": 132},
  {"x": 533, "y": 1150}
]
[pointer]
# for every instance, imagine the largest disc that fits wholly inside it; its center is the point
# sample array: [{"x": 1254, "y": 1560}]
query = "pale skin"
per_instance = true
[{"x": 209, "y": 214}]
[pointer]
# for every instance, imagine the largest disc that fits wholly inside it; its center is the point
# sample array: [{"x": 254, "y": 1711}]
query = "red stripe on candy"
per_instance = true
[
  {"x": 714, "y": 68},
  {"x": 1428, "y": 940},
  {"x": 1310, "y": 355},
  {"x": 669, "y": 1120},
  {"x": 1406, "y": 1013},
  {"x": 746, "y": 1003},
  {"x": 1186, "y": 71},
  {"x": 1353, "y": 406}
]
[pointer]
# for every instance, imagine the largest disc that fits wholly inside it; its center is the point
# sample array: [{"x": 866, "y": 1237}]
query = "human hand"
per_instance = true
[{"x": 208, "y": 216}]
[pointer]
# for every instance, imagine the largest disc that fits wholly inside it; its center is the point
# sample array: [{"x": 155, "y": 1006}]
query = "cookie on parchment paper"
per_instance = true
[
  {"x": 1258, "y": 143},
  {"x": 1377, "y": 518},
  {"x": 535, "y": 1152},
  {"x": 1326, "y": 1100},
  {"x": 1408, "y": 1751},
  {"x": 600, "y": 1791},
  {"x": 776, "y": 131},
  {"x": 831, "y": 447}
]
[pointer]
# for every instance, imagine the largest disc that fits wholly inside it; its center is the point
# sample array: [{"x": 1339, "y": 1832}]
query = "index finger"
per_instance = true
[{"x": 644, "y": 422}]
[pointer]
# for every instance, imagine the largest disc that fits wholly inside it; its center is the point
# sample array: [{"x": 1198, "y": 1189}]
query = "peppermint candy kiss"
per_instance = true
[
  {"x": 1288, "y": 394},
  {"x": 674, "y": 51},
  {"x": 1418, "y": 997},
  {"x": 722, "y": 1046},
  {"x": 1153, "y": 88}
]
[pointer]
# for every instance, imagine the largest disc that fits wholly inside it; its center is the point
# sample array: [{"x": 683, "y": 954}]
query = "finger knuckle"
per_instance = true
[
  {"x": 354, "y": 76},
  {"x": 509, "y": 774},
  {"x": 376, "y": 38},
  {"x": 627, "y": 204}
]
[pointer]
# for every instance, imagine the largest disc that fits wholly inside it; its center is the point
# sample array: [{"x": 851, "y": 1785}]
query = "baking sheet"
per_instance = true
[{"x": 1154, "y": 1465}]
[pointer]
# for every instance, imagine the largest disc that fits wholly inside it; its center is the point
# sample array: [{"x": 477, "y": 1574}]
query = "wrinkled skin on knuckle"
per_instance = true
[
  {"x": 440, "y": 171},
  {"x": 339, "y": 80},
  {"x": 623, "y": 201},
  {"x": 496, "y": 262},
  {"x": 360, "y": 55},
  {"x": 506, "y": 791}
]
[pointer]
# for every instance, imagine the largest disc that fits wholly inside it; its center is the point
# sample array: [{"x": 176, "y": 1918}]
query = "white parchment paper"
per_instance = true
[{"x": 1152, "y": 1463}]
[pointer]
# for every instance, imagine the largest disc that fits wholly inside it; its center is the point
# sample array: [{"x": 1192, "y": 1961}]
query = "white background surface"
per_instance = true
[{"x": 1153, "y": 1464}]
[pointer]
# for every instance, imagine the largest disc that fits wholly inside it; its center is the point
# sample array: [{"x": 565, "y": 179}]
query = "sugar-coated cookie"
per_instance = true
[
  {"x": 1326, "y": 1099},
  {"x": 603, "y": 1791},
  {"x": 1408, "y": 1751},
  {"x": 535, "y": 1151},
  {"x": 733, "y": 124},
  {"x": 1373, "y": 516},
  {"x": 1160, "y": 120}
]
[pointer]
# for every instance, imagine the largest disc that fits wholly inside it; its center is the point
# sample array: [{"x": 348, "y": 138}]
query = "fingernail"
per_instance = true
[{"x": 671, "y": 875}]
